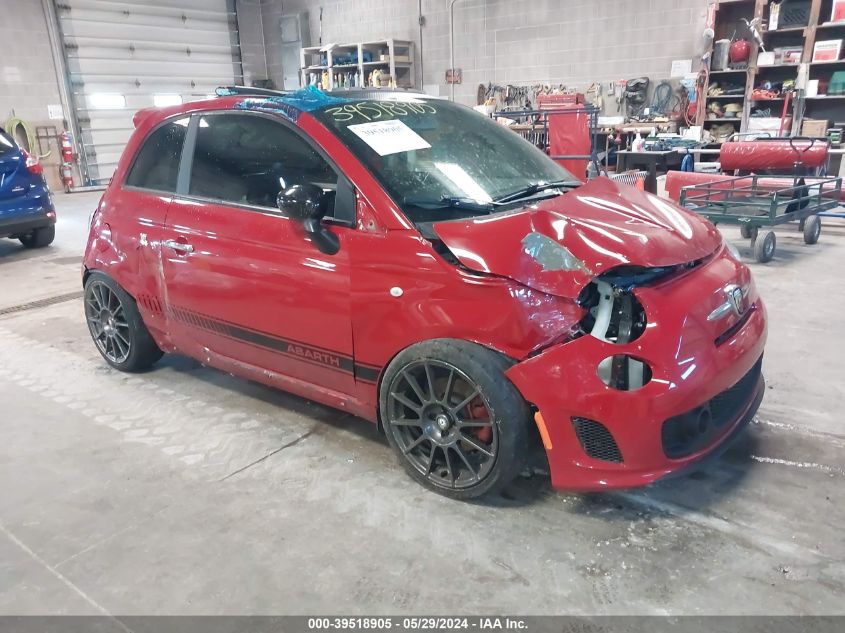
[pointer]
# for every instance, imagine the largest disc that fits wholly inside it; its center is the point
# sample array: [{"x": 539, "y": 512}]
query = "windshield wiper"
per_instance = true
[
  {"x": 452, "y": 202},
  {"x": 534, "y": 189}
]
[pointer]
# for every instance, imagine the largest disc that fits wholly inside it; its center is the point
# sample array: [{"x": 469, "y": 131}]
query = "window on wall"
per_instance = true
[
  {"x": 157, "y": 164},
  {"x": 248, "y": 159}
]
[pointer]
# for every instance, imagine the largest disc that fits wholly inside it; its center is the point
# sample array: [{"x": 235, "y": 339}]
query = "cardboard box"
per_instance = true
[
  {"x": 791, "y": 54},
  {"x": 766, "y": 58},
  {"x": 838, "y": 12},
  {"x": 827, "y": 50},
  {"x": 814, "y": 128},
  {"x": 763, "y": 124}
]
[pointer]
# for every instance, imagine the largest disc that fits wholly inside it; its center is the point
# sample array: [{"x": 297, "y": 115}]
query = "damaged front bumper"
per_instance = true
[{"x": 705, "y": 384}]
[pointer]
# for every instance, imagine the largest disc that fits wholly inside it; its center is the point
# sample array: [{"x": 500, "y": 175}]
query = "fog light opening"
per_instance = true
[{"x": 624, "y": 373}]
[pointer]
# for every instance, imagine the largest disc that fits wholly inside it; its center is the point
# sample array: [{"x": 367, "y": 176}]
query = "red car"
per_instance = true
[{"x": 413, "y": 262}]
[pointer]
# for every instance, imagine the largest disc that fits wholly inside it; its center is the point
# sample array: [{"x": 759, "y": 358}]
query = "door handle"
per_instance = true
[{"x": 178, "y": 246}]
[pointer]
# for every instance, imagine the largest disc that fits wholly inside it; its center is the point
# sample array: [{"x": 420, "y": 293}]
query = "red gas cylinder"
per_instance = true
[{"x": 740, "y": 51}]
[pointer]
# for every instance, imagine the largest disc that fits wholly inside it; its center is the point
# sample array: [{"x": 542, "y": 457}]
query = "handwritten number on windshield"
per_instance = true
[{"x": 375, "y": 110}]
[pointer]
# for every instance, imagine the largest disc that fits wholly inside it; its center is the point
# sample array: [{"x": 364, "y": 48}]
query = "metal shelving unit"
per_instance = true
[
  {"x": 394, "y": 57},
  {"x": 728, "y": 21}
]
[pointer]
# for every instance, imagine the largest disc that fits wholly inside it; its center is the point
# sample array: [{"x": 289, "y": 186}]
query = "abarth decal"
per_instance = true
[{"x": 294, "y": 349}]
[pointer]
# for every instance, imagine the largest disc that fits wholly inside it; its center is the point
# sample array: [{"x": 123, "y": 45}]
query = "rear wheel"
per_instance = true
[
  {"x": 39, "y": 238},
  {"x": 116, "y": 326},
  {"x": 812, "y": 229},
  {"x": 456, "y": 423},
  {"x": 748, "y": 232}
]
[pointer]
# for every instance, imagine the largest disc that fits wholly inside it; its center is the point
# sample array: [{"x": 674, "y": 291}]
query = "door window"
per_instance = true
[
  {"x": 246, "y": 159},
  {"x": 157, "y": 164}
]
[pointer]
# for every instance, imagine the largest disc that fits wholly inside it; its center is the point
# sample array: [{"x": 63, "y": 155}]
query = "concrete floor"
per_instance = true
[{"x": 188, "y": 491}]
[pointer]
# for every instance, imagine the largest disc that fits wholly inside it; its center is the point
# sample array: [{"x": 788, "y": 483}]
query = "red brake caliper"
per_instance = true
[{"x": 477, "y": 411}]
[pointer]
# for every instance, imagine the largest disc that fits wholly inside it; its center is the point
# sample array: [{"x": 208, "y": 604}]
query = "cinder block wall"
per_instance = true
[
  {"x": 574, "y": 42},
  {"x": 28, "y": 79}
]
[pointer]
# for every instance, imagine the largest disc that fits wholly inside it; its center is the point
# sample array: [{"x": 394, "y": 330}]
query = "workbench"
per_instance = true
[{"x": 651, "y": 161}]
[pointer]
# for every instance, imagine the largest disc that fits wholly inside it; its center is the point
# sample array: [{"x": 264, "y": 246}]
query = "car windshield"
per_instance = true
[{"x": 442, "y": 161}]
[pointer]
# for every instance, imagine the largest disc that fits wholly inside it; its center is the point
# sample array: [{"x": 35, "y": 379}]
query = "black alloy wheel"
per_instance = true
[
  {"x": 442, "y": 424},
  {"x": 457, "y": 424},
  {"x": 107, "y": 322},
  {"x": 116, "y": 326}
]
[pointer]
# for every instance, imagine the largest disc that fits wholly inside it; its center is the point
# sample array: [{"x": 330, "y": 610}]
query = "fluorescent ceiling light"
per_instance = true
[
  {"x": 164, "y": 100},
  {"x": 106, "y": 101}
]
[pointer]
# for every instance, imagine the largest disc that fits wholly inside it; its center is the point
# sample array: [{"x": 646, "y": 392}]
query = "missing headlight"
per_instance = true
[{"x": 613, "y": 315}]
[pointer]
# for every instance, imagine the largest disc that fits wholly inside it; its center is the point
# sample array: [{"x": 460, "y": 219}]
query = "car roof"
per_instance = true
[{"x": 289, "y": 104}]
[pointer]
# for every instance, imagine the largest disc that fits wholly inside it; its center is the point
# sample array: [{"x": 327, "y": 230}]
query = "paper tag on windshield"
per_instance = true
[{"x": 389, "y": 137}]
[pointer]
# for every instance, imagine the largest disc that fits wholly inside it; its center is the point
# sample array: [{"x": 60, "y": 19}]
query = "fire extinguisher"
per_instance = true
[
  {"x": 68, "y": 158},
  {"x": 66, "y": 172},
  {"x": 67, "y": 147}
]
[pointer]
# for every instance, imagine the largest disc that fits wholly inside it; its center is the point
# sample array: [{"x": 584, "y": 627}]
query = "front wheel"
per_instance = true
[
  {"x": 764, "y": 247},
  {"x": 456, "y": 423},
  {"x": 116, "y": 326}
]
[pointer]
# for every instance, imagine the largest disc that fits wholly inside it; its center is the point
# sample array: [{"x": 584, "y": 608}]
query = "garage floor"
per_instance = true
[{"x": 188, "y": 491}]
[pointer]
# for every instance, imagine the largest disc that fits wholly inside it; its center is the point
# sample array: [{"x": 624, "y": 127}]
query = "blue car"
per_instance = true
[{"x": 26, "y": 206}]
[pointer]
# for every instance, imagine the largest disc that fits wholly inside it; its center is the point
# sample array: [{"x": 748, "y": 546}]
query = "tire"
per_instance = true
[
  {"x": 748, "y": 232},
  {"x": 456, "y": 445},
  {"x": 116, "y": 326},
  {"x": 39, "y": 238},
  {"x": 812, "y": 229},
  {"x": 764, "y": 247}
]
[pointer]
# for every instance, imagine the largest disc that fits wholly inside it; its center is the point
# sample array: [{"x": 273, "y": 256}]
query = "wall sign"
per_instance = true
[{"x": 454, "y": 76}]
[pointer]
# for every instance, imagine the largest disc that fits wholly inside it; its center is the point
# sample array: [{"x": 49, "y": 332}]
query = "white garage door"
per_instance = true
[{"x": 124, "y": 56}]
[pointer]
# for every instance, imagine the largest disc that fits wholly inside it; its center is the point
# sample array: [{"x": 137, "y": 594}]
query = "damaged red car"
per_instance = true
[{"x": 416, "y": 264}]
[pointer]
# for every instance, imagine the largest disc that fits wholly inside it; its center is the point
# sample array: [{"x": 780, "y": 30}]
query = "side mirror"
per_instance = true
[{"x": 307, "y": 205}]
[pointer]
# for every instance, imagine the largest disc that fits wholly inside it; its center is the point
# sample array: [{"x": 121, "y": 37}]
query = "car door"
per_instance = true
[
  {"x": 242, "y": 280},
  {"x": 132, "y": 219}
]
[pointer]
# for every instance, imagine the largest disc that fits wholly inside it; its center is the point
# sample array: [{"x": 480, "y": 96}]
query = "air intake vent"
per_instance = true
[
  {"x": 596, "y": 440},
  {"x": 689, "y": 432}
]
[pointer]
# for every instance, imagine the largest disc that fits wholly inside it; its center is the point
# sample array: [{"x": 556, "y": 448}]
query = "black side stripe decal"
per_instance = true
[
  {"x": 367, "y": 373},
  {"x": 294, "y": 349}
]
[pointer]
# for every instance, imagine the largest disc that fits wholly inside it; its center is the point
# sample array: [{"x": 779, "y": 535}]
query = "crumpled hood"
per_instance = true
[{"x": 559, "y": 245}]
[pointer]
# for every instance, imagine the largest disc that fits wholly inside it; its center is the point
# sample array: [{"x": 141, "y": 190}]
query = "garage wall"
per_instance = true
[
  {"x": 27, "y": 74},
  {"x": 28, "y": 79},
  {"x": 574, "y": 42}
]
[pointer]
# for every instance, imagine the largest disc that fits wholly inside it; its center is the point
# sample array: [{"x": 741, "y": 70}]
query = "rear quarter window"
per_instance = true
[
  {"x": 156, "y": 165},
  {"x": 6, "y": 143}
]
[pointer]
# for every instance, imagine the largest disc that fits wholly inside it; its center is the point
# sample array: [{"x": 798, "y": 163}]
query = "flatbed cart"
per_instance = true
[{"x": 758, "y": 202}]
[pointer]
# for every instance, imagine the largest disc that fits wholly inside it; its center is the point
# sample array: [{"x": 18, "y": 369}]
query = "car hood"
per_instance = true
[{"x": 559, "y": 245}]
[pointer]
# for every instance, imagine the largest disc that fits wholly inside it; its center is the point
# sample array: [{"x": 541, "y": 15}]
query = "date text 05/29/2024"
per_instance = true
[{"x": 439, "y": 623}]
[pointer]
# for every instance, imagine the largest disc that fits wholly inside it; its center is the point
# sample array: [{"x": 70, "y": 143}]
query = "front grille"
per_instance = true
[
  {"x": 596, "y": 440},
  {"x": 691, "y": 431}
]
